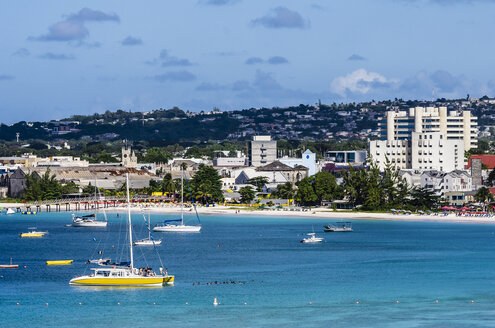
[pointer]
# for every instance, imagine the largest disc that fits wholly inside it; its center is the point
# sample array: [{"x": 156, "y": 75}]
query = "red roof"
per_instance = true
[
  {"x": 492, "y": 190},
  {"x": 488, "y": 160}
]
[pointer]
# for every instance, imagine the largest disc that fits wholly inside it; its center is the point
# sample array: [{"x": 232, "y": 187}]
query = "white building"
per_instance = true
[
  {"x": 346, "y": 156},
  {"x": 425, "y": 151},
  {"x": 62, "y": 161},
  {"x": 308, "y": 159},
  {"x": 454, "y": 125},
  {"x": 262, "y": 150},
  {"x": 442, "y": 183}
]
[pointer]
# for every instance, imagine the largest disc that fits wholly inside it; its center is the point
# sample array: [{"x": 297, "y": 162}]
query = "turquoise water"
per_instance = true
[{"x": 382, "y": 262}]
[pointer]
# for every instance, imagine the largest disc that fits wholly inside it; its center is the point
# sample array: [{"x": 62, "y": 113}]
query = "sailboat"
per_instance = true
[
  {"x": 90, "y": 220},
  {"x": 10, "y": 211},
  {"x": 148, "y": 241},
  {"x": 181, "y": 227},
  {"x": 124, "y": 275}
]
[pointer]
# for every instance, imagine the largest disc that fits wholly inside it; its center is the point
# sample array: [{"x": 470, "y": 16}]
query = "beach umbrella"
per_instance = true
[
  {"x": 464, "y": 208},
  {"x": 445, "y": 208}
]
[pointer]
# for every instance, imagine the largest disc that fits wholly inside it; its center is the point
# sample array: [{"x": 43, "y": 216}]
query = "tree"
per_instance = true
[
  {"x": 207, "y": 184},
  {"x": 483, "y": 195},
  {"x": 305, "y": 191},
  {"x": 326, "y": 187},
  {"x": 258, "y": 182},
  {"x": 425, "y": 199},
  {"x": 42, "y": 188},
  {"x": 491, "y": 178},
  {"x": 156, "y": 155},
  {"x": 285, "y": 191},
  {"x": 168, "y": 184},
  {"x": 247, "y": 194}
]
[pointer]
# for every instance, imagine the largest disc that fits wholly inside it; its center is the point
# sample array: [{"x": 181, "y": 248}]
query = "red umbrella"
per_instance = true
[
  {"x": 465, "y": 208},
  {"x": 445, "y": 208}
]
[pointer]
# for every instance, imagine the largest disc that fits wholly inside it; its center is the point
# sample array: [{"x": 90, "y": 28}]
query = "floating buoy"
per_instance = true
[
  {"x": 187, "y": 303},
  {"x": 118, "y": 303},
  {"x": 357, "y": 302},
  {"x": 17, "y": 303},
  {"x": 80, "y": 303},
  {"x": 472, "y": 301},
  {"x": 245, "y": 303},
  {"x": 25, "y": 267},
  {"x": 113, "y": 246},
  {"x": 310, "y": 303},
  {"x": 46, "y": 304},
  {"x": 215, "y": 301},
  {"x": 436, "y": 301},
  {"x": 154, "y": 303},
  {"x": 219, "y": 245},
  {"x": 396, "y": 302}
]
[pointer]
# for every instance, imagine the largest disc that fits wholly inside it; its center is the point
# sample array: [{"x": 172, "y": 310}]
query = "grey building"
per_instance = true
[{"x": 262, "y": 150}]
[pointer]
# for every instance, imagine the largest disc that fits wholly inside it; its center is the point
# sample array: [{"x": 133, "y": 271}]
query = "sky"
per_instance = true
[{"x": 60, "y": 58}]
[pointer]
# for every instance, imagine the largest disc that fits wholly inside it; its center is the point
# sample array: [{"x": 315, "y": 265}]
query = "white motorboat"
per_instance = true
[
  {"x": 338, "y": 227},
  {"x": 168, "y": 226},
  {"x": 125, "y": 275},
  {"x": 10, "y": 211},
  {"x": 311, "y": 239},
  {"x": 148, "y": 241},
  {"x": 87, "y": 221},
  {"x": 100, "y": 261}
]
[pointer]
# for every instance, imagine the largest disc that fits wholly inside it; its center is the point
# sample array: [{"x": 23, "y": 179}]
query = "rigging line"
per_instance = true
[{"x": 193, "y": 202}]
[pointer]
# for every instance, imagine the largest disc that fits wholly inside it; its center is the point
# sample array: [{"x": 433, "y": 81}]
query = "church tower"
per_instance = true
[{"x": 129, "y": 158}]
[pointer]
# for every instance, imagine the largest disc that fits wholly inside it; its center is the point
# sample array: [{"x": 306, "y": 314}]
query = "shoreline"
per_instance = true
[{"x": 318, "y": 213}]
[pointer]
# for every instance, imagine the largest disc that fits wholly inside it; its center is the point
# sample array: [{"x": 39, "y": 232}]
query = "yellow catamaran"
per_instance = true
[{"x": 125, "y": 275}]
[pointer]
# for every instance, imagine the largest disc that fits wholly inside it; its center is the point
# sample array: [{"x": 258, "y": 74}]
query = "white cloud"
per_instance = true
[{"x": 359, "y": 82}]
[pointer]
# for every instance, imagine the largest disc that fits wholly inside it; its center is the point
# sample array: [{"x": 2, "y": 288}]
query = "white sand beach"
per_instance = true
[{"x": 315, "y": 213}]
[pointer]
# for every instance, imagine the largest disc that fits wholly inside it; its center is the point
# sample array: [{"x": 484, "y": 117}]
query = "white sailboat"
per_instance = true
[
  {"x": 10, "y": 211},
  {"x": 125, "y": 275},
  {"x": 90, "y": 220},
  {"x": 148, "y": 241},
  {"x": 168, "y": 226}
]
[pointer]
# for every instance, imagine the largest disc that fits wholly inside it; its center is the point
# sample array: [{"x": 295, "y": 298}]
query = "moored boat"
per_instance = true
[
  {"x": 59, "y": 262},
  {"x": 311, "y": 239},
  {"x": 167, "y": 226},
  {"x": 33, "y": 233},
  {"x": 10, "y": 211},
  {"x": 339, "y": 227},
  {"x": 9, "y": 266}
]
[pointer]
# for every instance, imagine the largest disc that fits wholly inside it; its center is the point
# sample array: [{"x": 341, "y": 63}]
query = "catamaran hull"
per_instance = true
[
  {"x": 131, "y": 281},
  {"x": 178, "y": 228}
]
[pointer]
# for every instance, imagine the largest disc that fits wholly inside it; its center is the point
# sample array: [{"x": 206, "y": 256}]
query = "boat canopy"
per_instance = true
[
  {"x": 175, "y": 220},
  {"x": 89, "y": 216}
]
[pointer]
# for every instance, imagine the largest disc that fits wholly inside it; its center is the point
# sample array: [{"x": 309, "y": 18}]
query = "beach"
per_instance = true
[{"x": 314, "y": 213}]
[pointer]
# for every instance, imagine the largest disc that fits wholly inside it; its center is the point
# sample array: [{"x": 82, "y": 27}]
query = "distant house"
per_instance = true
[{"x": 488, "y": 160}]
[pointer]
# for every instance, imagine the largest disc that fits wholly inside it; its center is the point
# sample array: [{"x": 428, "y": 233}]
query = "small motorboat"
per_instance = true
[
  {"x": 9, "y": 266},
  {"x": 311, "y": 239},
  {"x": 59, "y": 262},
  {"x": 105, "y": 261},
  {"x": 86, "y": 221},
  {"x": 33, "y": 233},
  {"x": 339, "y": 227},
  {"x": 10, "y": 211}
]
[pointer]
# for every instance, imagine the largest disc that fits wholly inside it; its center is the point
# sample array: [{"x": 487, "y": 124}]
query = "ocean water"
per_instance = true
[{"x": 384, "y": 274}]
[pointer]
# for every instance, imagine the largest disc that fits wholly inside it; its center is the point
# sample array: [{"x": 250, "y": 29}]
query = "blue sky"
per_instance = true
[{"x": 61, "y": 58}]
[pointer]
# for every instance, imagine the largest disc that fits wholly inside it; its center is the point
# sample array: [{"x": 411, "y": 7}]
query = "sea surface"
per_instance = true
[{"x": 384, "y": 274}]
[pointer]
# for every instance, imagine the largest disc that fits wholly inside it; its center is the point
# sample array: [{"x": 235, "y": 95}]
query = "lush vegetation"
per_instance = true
[
  {"x": 46, "y": 187},
  {"x": 367, "y": 190},
  {"x": 206, "y": 185}
]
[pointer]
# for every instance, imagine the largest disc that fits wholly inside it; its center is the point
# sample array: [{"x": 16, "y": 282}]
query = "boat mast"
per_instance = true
[
  {"x": 149, "y": 226},
  {"x": 129, "y": 217},
  {"x": 182, "y": 196}
]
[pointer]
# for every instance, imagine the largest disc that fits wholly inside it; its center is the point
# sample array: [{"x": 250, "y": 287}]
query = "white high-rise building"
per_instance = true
[
  {"x": 262, "y": 151},
  {"x": 453, "y": 125},
  {"x": 425, "y": 139},
  {"x": 426, "y": 151}
]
